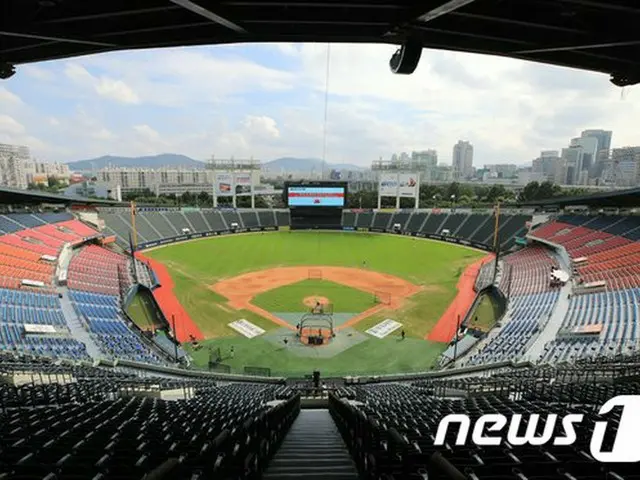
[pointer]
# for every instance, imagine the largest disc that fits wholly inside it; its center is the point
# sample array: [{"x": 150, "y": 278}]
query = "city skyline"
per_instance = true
[{"x": 267, "y": 101}]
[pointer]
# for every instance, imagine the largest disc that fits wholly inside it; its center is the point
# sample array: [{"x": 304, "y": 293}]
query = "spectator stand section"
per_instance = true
[
  {"x": 462, "y": 226},
  {"x": 98, "y": 282},
  {"x": 527, "y": 295},
  {"x": 390, "y": 428},
  {"x": 31, "y": 248},
  {"x": 603, "y": 317},
  {"x": 161, "y": 226},
  {"x": 78, "y": 421}
]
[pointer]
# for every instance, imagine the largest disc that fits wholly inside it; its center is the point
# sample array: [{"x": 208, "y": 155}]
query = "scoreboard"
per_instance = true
[
  {"x": 314, "y": 196},
  {"x": 316, "y": 205}
]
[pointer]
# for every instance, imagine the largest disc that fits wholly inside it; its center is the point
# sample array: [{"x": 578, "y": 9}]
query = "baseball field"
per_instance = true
[{"x": 273, "y": 279}]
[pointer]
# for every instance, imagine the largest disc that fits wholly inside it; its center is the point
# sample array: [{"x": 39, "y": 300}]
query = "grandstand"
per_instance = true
[
  {"x": 70, "y": 350},
  {"x": 84, "y": 395},
  {"x": 62, "y": 293},
  {"x": 160, "y": 226}
]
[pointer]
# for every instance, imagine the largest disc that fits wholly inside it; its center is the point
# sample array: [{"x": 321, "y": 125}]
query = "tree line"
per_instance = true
[{"x": 454, "y": 194}]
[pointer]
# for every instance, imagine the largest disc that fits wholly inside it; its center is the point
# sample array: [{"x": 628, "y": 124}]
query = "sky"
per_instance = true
[{"x": 267, "y": 101}]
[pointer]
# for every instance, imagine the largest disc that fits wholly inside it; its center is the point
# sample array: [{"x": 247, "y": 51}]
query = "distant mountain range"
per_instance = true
[
  {"x": 285, "y": 164},
  {"x": 155, "y": 161},
  {"x": 292, "y": 164}
]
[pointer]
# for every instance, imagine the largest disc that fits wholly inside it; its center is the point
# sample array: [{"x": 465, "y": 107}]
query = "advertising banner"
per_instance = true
[
  {"x": 408, "y": 185},
  {"x": 243, "y": 182},
  {"x": 388, "y": 184},
  {"x": 224, "y": 184}
]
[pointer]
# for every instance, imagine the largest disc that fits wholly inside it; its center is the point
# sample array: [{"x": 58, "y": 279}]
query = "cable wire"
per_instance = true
[{"x": 326, "y": 109}]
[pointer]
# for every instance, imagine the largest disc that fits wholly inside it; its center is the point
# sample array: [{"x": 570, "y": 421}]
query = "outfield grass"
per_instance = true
[
  {"x": 436, "y": 266},
  {"x": 290, "y": 297}
]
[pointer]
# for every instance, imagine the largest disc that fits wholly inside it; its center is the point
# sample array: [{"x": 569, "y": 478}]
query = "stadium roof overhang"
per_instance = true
[
  {"x": 14, "y": 196},
  {"x": 597, "y": 35},
  {"x": 628, "y": 198}
]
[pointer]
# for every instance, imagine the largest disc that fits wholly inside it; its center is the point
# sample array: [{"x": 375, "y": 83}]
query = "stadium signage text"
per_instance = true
[{"x": 624, "y": 447}]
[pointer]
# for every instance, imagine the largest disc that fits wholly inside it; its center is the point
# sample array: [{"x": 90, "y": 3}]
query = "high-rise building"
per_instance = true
[
  {"x": 547, "y": 165},
  {"x": 462, "y": 162},
  {"x": 588, "y": 154},
  {"x": 624, "y": 167},
  {"x": 40, "y": 172},
  {"x": 425, "y": 159},
  {"x": 604, "y": 144},
  {"x": 12, "y": 161},
  {"x": 501, "y": 170},
  {"x": 159, "y": 181},
  {"x": 602, "y": 136}
]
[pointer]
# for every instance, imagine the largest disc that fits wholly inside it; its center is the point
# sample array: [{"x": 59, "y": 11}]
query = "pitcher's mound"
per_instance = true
[{"x": 313, "y": 301}]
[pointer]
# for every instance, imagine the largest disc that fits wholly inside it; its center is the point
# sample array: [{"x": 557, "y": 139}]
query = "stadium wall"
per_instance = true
[{"x": 194, "y": 236}]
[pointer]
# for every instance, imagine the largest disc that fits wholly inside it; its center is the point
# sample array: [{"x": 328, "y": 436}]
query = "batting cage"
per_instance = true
[{"x": 316, "y": 328}]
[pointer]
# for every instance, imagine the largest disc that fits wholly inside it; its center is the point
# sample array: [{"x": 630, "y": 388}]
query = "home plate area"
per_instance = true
[
  {"x": 294, "y": 318},
  {"x": 344, "y": 339}
]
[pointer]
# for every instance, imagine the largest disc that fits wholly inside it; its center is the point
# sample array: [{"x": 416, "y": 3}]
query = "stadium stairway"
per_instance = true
[
  {"x": 75, "y": 325},
  {"x": 552, "y": 327},
  {"x": 313, "y": 450}
]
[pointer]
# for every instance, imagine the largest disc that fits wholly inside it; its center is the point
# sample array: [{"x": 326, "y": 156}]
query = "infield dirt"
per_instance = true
[{"x": 240, "y": 290}]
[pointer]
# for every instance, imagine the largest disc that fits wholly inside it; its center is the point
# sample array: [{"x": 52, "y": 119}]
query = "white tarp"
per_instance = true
[
  {"x": 384, "y": 328},
  {"x": 560, "y": 275},
  {"x": 246, "y": 328},
  {"x": 33, "y": 328}
]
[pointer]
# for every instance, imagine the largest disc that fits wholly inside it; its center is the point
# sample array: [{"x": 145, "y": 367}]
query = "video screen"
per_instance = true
[{"x": 307, "y": 196}]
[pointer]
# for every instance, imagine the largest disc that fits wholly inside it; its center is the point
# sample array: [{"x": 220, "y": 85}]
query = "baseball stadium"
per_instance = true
[{"x": 317, "y": 341}]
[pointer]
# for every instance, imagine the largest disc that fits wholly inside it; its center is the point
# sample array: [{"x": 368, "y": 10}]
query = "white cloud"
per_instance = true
[
  {"x": 146, "y": 132},
  {"x": 179, "y": 77},
  {"x": 37, "y": 72},
  {"x": 104, "y": 86},
  {"x": 7, "y": 98},
  {"x": 116, "y": 90},
  {"x": 261, "y": 126},
  {"x": 10, "y": 126},
  {"x": 102, "y": 134},
  {"x": 268, "y": 101}
]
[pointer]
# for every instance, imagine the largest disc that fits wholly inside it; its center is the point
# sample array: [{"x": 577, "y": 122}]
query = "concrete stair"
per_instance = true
[{"x": 312, "y": 450}]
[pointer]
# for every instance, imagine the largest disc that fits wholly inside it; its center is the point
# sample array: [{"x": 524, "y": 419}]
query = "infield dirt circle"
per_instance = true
[
  {"x": 240, "y": 290},
  {"x": 313, "y": 301}
]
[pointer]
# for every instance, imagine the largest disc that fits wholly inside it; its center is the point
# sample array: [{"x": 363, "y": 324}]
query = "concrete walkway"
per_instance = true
[
  {"x": 75, "y": 325},
  {"x": 71, "y": 317},
  {"x": 550, "y": 330}
]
